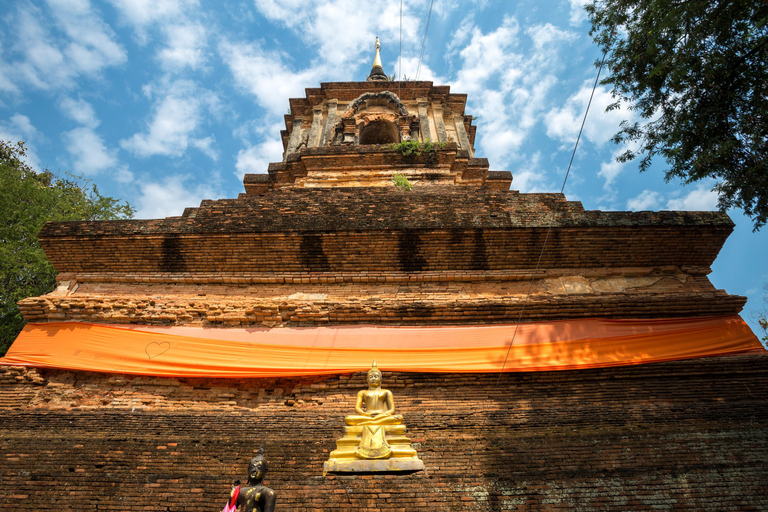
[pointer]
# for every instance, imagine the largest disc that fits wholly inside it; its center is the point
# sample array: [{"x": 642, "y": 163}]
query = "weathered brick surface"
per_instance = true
[
  {"x": 305, "y": 310},
  {"x": 457, "y": 297},
  {"x": 689, "y": 435},
  {"x": 368, "y": 255},
  {"x": 363, "y": 230},
  {"x": 375, "y": 165},
  {"x": 407, "y": 91}
]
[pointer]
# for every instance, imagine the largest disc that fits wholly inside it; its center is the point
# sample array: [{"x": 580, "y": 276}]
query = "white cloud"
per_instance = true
[
  {"x": 185, "y": 47},
  {"x": 90, "y": 154},
  {"x": 545, "y": 35},
  {"x": 186, "y": 38},
  {"x": 460, "y": 36},
  {"x": 91, "y": 46},
  {"x": 563, "y": 123},
  {"x": 20, "y": 128},
  {"x": 530, "y": 177},
  {"x": 43, "y": 63},
  {"x": 123, "y": 175},
  {"x": 509, "y": 79},
  {"x": 52, "y": 55},
  {"x": 411, "y": 64},
  {"x": 610, "y": 170},
  {"x": 256, "y": 159},
  {"x": 80, "y": 111},
  {"x": 578, "y": 14},
  {"x": 263, "y": 74},
  {"x": 342, "y": 31},
  {"x": 177, "y": 116},
  {"x": 646, "y": 200},
  {"x": 170, "y": 196},
  {"x": 703, "y": 198},
  {"x": 206, "y": 146},
  {"x": 487, "y": 55},
  {"x": 338, "y": 36},
  {"x": 7, "y": 73},
  {"x": 144, "y": 12}
]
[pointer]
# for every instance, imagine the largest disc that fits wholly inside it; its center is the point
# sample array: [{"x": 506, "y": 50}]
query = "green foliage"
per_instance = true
[
  {"x": 27, "y": 200},
  {"x": 762, "y": 317},
  {"x": 413, "y": 147},
  {"x": 697, "y": 73},
  {"x": 402, "y": 181}
]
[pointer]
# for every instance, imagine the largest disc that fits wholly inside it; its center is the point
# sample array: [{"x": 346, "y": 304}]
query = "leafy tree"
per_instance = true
[
  {"x": 696, "y": 71},
  {"x": 27, "y": 200}
]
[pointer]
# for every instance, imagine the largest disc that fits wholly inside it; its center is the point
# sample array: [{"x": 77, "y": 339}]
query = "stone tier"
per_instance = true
[
  {"x": 308, "y": 309},
  {"x": 348, "y": 91},
  {"x": 377, "y": 229},
  {"x": 374, "y": 166},
  {"x": 420, "y": 98}
]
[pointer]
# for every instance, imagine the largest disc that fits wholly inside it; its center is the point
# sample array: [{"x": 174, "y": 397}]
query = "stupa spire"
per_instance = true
[{"x": 377, "y": 71}]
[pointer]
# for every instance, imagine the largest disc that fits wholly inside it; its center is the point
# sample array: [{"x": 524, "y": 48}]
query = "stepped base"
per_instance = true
[
  {"x": 372, "y": 465},
  {"x": 344, "y": 458}
]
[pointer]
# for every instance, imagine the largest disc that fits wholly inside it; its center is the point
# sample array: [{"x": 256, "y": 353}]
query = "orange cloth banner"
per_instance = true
[{"x": 541, "y": 346}]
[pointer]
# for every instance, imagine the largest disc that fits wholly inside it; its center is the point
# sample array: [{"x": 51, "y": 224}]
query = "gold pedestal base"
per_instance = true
[
  {"x": 371, "y": 465},
  {"x": 402, "y": 457}
]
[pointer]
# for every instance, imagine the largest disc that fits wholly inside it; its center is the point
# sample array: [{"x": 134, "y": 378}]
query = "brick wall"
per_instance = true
[
  {"x": 689, "y": 435},
  {"x": 363, "y": 230},
  {"x": 306, "y": 310},
  {"x": 340, "y": 298}
]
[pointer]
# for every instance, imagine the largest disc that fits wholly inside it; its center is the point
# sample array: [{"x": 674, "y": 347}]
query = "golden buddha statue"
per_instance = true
[{"x": 374, "y": 438}]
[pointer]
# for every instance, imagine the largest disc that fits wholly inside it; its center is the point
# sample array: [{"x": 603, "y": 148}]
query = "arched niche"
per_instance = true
[
  {"x": 382, "y": 97},
  {"x": 379, "y": 132},
  {"x": 374, "y": 118}
]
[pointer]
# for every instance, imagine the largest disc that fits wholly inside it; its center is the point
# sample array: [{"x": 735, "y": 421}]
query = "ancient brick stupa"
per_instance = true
[{"x": 543, "y": 355}]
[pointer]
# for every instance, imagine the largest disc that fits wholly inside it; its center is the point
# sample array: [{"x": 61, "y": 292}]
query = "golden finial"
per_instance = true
[
  {"x": 377, "y": 58},
  {"x": 377, "y": 71}
]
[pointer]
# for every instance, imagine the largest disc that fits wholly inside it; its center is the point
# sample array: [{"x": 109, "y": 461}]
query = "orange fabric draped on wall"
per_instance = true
[{"x": 204, "y": 352}]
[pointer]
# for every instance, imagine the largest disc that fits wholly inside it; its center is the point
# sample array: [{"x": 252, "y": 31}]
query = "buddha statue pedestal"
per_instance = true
[
  {"x": 374, "y": 438},
  {"x": 347, "y": 458}
]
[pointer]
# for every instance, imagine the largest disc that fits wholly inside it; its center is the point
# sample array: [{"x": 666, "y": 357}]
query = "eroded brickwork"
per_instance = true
[
  {"x": 689, "y": 435},
  {"x": 374, "y": 230},
  {"x": 370, "y": 255}
]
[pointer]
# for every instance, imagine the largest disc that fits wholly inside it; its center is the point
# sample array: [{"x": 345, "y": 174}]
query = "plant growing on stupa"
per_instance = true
[{"x": 401, "y": 181}]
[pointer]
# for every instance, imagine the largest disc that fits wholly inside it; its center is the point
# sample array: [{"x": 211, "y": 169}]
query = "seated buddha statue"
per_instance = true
[
  {"x": 374, "y": 432},
  {"x": 375, "y": 407}
]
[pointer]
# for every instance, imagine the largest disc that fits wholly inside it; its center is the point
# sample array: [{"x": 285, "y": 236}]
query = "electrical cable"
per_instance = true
[
  {"x": 549, "y": 230},
  {"x": 400, "y": 56},
  {"x": 424, "y": 39},
  {"x": 546, "y": 238}
]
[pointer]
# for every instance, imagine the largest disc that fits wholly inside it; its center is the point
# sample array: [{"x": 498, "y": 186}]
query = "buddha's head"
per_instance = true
[
  {"x": 374, "y": 376},
  {"x": 258, "y": 466}
]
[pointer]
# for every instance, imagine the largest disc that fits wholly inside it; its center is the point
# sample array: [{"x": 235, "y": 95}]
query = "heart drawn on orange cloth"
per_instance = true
[{"x": 155, "y": 349}]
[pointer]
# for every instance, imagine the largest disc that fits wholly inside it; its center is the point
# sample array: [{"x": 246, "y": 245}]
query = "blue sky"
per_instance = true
[{"x": 167, "y": 102}]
